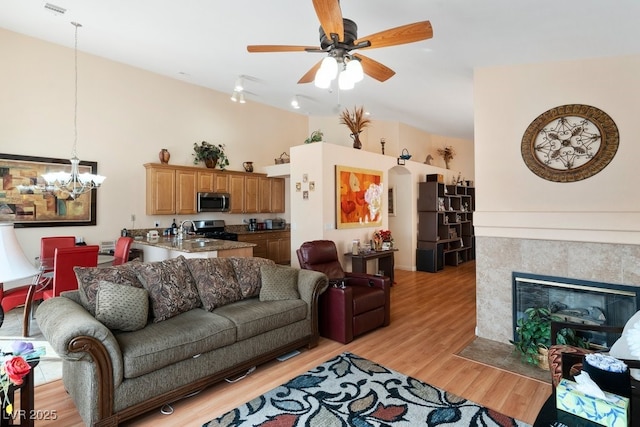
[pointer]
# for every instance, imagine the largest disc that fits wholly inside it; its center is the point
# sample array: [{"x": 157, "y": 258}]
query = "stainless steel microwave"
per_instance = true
[{"x": 214, "y": 202}]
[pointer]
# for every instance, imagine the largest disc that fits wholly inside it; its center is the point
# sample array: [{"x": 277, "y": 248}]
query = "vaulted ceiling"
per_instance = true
[{"x": 204, "y": 42}]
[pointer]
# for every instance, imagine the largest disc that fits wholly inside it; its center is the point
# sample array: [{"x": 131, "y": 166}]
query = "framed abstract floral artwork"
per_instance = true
[{"x": 359, "y": 197}]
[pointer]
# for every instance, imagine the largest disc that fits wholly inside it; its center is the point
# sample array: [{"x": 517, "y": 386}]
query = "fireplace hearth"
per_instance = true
[{"x": 576, "y": 301}]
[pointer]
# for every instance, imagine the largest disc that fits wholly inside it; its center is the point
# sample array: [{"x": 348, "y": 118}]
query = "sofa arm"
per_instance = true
[
  {"x": 310, "y": 285},
  {"x": 76, "y": 335}
]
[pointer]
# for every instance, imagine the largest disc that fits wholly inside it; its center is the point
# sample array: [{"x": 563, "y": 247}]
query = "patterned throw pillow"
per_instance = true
[
  {"x": 90, "y": 277},
  {"x": 278, "y": 283},
  {"x": 248, "y": 273},
  {"x": 171, "y": 287},
  {"x": 122, "y": 307},
  {"x": 215, "y": 280}
]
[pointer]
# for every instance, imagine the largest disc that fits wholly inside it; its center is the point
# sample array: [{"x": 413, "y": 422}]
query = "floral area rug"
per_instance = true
[{"x": 351, "y": 391}]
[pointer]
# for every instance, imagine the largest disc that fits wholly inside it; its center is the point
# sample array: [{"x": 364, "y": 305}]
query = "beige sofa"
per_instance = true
[{"x": 140, "y": 335}]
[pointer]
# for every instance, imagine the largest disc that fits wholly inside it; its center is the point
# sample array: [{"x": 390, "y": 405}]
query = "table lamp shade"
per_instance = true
[{"x": 14, "y": 264}]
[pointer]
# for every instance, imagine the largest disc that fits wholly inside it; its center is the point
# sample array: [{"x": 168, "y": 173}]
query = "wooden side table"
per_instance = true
[
  {"x": 25, "y": 416},
  {"x": 385, "y": 258}
]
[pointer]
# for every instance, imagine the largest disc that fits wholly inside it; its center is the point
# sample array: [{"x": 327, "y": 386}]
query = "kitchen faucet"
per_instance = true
[{"x": 181, "y": 231}]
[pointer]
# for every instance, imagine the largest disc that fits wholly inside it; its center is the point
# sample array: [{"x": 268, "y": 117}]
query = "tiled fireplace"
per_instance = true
[
  {"x": 577, "y": 301},
  {"x": 498, "y": 257}
]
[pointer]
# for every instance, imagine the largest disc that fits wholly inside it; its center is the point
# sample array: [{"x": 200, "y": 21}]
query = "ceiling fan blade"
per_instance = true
[
  {"x": 311, "y": 74},
  {"x": 280, "y": 48},
  {"x": 330, "y": 17},
  {"x": 400, "y": 35},
  {"x": 375, "y": 69}
]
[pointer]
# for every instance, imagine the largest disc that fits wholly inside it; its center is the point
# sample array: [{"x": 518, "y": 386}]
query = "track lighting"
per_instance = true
[
  {"x": 295, "y": 103},
  {"x": 241, "y": 99},
  {"x": 239, "y": 86},
  {"x": 234, "y": 97}
]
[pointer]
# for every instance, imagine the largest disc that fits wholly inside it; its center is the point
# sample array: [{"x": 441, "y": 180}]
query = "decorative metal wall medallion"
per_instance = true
[{"x": 570, "y": 143}]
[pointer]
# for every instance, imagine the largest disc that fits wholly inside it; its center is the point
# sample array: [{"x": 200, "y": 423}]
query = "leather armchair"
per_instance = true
[{"x": 354, "y": 303}]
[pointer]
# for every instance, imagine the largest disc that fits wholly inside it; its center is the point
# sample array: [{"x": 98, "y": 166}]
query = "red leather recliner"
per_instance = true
[{"x": 354, "y": 303}]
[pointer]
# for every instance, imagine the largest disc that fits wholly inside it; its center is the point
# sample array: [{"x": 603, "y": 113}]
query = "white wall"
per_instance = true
[
  {"x": 511, "y": 200},
  {"x": 314, "y": 218},
  {"x": 585, "y": 230},
  {"x": 125, "y": 116}
]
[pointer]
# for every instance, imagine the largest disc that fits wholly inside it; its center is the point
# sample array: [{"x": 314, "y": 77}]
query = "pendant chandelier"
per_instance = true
[{"x": 73, "y": 183}]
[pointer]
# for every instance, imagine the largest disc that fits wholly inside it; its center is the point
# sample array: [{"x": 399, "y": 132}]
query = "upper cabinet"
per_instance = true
[
  {"x": 170, "y": 190},
  {"x": 161, "y": 190},
  {"x": 173, "y": 190},
  {"x": 277, "y": 195},
  {"x": 213, "y": 182}
]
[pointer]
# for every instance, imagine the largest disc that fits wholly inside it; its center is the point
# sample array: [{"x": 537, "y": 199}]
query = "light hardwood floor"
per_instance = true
[{"x": 433, "y": 318}]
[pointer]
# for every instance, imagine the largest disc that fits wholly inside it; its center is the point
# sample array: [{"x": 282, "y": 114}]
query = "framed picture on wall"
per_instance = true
[
  {"x": 25, "y": 201},
  {"x": 359, "y": 197}
]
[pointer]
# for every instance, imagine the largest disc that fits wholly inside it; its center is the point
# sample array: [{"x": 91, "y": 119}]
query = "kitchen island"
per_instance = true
[{"x": 161, "y": 248}]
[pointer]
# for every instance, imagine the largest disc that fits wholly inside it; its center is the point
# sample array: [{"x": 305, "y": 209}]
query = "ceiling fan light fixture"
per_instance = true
[
  {"x": 345, "y": 81},
  {"x": 354, "y": 68},
  {"x": 234, "y": 96},
  {"x": 241, "y": 99},
  {"x": 330, "y": 67},
  {"x": 322, "y": 81}
]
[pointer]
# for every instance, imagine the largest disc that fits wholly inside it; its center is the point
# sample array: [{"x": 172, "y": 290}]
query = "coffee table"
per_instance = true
[{"x": 550, "y": 416}]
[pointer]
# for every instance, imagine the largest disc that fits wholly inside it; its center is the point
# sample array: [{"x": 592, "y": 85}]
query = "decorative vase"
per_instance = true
[
  {"x": 164, "y": 156},
  {"x": 211, "y": 163},
  {"x": 356, "y": 140}
]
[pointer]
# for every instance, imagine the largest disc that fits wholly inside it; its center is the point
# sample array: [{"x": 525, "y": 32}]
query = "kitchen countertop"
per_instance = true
[{"x": 194, "y": 244}]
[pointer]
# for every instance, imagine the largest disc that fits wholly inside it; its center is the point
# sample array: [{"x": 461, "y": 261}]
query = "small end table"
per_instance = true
[
  {"x": 23, "y": 417},
  {"x": 385, "y": 258}
]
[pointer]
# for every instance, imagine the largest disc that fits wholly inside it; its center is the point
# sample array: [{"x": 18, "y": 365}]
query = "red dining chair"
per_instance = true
[
  {"x": 121, "y": 253},
  {"x": 64, "y": 278},
  {"x": 19, "y": 296}
]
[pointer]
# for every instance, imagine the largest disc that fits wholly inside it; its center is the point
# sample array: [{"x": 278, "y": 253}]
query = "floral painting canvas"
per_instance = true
[{"x": 359, "y": 197}]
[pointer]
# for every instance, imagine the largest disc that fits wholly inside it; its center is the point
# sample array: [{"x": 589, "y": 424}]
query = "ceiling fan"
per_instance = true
[{"x": 339, "y": 36}]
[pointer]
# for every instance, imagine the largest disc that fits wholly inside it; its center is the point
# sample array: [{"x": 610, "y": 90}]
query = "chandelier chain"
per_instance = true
[{"x": 75, "y": 99}]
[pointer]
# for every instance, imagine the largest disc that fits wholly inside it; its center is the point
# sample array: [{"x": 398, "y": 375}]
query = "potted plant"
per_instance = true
[
  {"x": 355, "y": 121},
  {"x": 210, "y": 154},
  {"x": 316, "y": 136},
  {"x": 533, "y": 333}
]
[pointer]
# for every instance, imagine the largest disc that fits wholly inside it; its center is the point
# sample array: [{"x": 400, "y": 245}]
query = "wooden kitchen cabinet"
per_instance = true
[
  {"x": 277, "y": 195},
  {"x": 161, "y": 191},
  {"x": 213, "y": 182},
  {"x": 173, "y": 190},
  {"x": 264, "y": 196},
  {"x": 170, "y": 190},
  {"x": 236, "y": 189},
  {"x": 274, "y": 245},
  {"x": 279, "y": 247},
  {"x": 186, "y": 192},
  {"x": 245, "y": 190},
  {"x": 251, "y": 194}
]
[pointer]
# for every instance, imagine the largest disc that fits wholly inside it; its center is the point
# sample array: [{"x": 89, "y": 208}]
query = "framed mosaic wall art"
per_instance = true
[{"x": 25, "y": 201}]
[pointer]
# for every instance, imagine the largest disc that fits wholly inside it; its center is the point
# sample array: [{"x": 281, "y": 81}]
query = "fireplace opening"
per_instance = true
[{"x": 576, "y": 301}]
